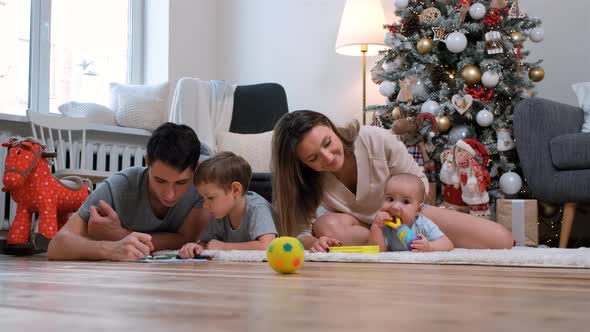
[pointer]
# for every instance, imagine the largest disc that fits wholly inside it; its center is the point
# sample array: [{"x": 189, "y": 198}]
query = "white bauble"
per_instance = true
[
  {"x": 490, "y": 79},
  {"x": 484, "y": 118},
  {"x": 388, "y": 38},
  {"x": 400, "y": 4},
  {"x": 429, "y": 106},
  {"x": 456, "y": 42},
  {"x": 477, "y": 11},
  {"x": 418, "y": 89},
  {"x": 391, "y": 66},
  {"x": 537, "y": 35},
  {"x": 387, "y": 88},
  {"x": 510, "y": 183}
]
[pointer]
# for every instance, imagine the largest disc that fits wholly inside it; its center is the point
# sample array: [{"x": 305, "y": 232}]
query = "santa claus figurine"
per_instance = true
[
  {"x": 471, "y": 160},
  {"x": 451, "y": 186}
]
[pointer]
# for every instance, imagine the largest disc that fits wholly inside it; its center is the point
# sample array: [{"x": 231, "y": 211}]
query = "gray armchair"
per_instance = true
[{"x": 554, "y": 155}]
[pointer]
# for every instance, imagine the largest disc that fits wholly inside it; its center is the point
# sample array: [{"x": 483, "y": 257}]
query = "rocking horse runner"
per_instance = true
[{"x": 28, "y": 179}]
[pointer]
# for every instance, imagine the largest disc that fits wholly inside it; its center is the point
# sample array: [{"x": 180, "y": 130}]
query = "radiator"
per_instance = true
[{"x": 110, "y": 157}]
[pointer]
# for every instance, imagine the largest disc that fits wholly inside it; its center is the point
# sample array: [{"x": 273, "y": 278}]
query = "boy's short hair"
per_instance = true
[
  {"x": 409, "y": 177},
  {"x": 222, "y": 169},
  {"x": 175, "y": 145}
]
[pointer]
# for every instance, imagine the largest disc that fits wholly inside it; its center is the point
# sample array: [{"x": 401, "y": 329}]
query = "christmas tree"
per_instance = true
[{"x": 455, "y": 71}]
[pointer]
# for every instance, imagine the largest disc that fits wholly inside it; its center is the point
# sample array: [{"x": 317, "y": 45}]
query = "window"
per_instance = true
[
  {"x": 72, "y": 49},
  {"x": 14, "y": 61}
]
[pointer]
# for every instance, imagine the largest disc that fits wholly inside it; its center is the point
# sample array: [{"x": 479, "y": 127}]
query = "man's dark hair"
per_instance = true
[{"x": 175, "y": 145}]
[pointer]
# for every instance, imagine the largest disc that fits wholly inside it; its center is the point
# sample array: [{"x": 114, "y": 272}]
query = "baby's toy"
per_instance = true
[
  {"x": 285, "y": 254},
  {"x": 404, "y": 233},
  {"x": 28, "y": 179},
  {"x": 374, "y": 249}
]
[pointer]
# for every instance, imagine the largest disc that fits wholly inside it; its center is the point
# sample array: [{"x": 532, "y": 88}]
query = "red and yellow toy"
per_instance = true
[{"x": 28, "y": 179}]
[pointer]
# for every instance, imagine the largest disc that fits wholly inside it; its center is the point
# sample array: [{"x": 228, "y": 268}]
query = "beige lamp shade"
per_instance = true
[{"x": 361, "y": 23}]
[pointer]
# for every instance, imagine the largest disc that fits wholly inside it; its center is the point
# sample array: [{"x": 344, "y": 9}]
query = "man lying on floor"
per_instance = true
[{"x": 141, "y": 209}]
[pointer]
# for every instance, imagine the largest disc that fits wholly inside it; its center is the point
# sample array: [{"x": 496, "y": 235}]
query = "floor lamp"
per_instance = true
[{"x": 361, "y": 33}]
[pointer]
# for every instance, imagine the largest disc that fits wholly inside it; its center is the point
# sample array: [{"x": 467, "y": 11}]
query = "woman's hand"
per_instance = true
[{"x": 324, "y": 243}]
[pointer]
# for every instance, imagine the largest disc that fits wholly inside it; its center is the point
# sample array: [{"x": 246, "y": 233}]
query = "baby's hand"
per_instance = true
[
  {"x": 421, "y": 245},
  {"x": 190, "y": 250},
  {"x": 380, "y": 217}
]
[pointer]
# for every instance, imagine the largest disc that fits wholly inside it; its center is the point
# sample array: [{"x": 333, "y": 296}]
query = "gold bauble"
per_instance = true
[
  {"x": 537, "y": 74},
  {"x": 443, "y": 123},
  {"x": 547, "y": 210},
  {"x": 424, "y": 45},
  {"x": 396, "y": 113},
  {"x": 471, "y": 74},
  {"x": 516, "y": 38}
]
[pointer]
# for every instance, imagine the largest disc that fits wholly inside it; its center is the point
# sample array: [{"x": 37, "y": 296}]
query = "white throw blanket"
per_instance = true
[{"x": 205, "y": 106}]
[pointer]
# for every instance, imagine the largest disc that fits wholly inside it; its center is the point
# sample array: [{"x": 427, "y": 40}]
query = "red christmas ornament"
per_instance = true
[
  {"x": 483, "y": 94},
  {"x": 494, "y": 18},
  {"x": 392, "y": 29}
]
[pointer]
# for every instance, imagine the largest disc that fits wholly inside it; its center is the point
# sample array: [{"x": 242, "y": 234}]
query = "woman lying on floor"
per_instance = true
[{"x": 345, "y": 170}]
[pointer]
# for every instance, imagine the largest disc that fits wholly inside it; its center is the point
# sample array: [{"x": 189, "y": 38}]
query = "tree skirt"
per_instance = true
[{"x": 518, "y": 256}]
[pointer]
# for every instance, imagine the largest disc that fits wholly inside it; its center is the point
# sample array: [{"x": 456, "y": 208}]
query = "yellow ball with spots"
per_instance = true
[{"x": 285, "y": 254}]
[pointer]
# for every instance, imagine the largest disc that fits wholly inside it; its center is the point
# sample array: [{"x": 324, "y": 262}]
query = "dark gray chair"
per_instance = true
[
  {"x": 554, "y": 155},
  {"x": 257, "y": 108}
]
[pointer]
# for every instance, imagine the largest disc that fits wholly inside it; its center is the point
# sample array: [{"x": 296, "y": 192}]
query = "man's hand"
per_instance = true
[
  {"x": 324, "y": 243},
  {"x": 104, "y": 223},
  {"x": 215, "y": 245},
  {"x": 133, "y": 246},
  {"x": 190, "y": 250},
  {"x": 421, "y": 245}
]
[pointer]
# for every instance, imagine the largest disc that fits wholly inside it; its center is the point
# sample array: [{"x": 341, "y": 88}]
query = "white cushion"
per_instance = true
[
  {"x": 582, "y": 91},
  {"x": 140, "y": 112},
  {"x": 154, "y": 91},
  {"x": 93, "y": 112},
  {"x": 255, "y": 148}
]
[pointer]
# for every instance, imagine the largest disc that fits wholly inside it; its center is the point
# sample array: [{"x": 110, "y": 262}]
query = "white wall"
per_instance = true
[
  {"x": 193, "y": 39},
  {"x": 565, "y": 48},
  {"x": 292, "y": 42}
]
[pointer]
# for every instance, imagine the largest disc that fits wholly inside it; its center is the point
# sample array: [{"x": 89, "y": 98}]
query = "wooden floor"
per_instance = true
[{"x": 214, "y": 296}]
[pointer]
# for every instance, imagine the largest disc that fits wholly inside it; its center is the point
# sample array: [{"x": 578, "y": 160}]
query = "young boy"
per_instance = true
[
  {"x": 404, "y": 197},
  {"x": 244, "y": 220}
]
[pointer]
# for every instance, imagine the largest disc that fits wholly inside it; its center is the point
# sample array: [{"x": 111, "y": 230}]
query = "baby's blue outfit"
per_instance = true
[{"x": 421, "y": 225}]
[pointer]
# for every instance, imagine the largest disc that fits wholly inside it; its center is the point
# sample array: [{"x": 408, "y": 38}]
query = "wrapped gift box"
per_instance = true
[{"x": 521, "y": 217}]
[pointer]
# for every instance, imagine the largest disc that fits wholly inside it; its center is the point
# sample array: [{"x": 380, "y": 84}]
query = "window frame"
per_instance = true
[{"x": 40, "y": 51}]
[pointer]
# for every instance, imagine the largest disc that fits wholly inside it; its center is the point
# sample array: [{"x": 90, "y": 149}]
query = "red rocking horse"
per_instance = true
[{"x": 28, "y": 179}]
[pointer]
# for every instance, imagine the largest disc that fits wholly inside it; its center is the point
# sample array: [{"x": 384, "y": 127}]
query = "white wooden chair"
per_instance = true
[{"x": 69, "y": 144}]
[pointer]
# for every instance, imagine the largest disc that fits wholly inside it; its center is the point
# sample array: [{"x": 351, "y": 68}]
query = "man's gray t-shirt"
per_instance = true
[
  {"x": 421, "y": 225},
  {"x": 258, "y": 220},
  {"x": 126, "y": 192}
]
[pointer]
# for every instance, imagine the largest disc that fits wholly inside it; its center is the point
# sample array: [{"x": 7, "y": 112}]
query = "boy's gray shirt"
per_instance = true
[
  {"x": 126, "y": 192},
  {"x": 258, "y": 220},
  {"x": 421, "y": 225}
]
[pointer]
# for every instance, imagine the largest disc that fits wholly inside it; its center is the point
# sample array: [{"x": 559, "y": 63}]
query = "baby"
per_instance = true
[
  {"x": 404, "y": 198},
  {"x": 244, "y": 219}
]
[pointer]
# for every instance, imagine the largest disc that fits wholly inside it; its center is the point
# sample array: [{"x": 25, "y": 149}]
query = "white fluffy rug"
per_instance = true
[{"x": 518, "y": 256}]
